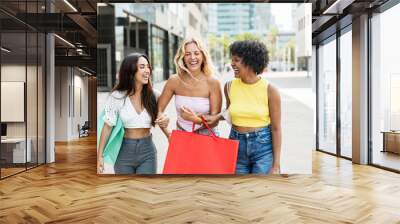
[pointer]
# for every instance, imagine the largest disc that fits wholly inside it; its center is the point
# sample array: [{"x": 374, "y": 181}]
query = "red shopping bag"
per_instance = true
[{"x": 191, "y": 153}]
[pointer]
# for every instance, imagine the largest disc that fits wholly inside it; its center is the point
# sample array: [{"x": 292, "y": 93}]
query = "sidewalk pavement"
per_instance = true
[{"x": 297, "y": 122}]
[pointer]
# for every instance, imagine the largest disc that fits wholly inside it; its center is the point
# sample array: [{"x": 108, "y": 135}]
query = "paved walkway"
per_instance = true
[{"x": 297, "y": 121}]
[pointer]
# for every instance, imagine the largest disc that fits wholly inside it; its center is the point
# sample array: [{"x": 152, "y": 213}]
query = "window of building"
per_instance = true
[
  {"x": 159, "y": 54},
  {"x": 346, "y": 93},
  {"x": 192, "y": 20},
  {"x": 22, "y": 76},
  {"x": 173, "y": 48},
  {"x": 327, "y": 96},
  {"x": 385, "y": 89}
]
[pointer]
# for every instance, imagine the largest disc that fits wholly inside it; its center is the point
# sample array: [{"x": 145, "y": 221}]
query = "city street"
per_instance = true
[{"x": 297, "y": 121}]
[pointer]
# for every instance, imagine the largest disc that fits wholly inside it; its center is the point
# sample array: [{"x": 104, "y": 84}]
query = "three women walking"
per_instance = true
[{"x": 252, "y": 103}]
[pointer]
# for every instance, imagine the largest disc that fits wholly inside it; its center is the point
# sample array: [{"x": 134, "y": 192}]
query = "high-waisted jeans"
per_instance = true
[
  {"x": 255, "y": 151},
  {"x": 137, "y": 156}
]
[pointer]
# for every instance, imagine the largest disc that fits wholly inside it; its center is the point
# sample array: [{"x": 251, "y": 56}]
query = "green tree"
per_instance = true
[
  {"x": 247, "y": 36},
  {"x": 272, "y": 42},
  {"x": 219, "y": 49},
  {"x": 213, "y": 43},
  {"x": 291, "y": 44}
]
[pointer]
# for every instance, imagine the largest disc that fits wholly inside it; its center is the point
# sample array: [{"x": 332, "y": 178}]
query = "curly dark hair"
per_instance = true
[{"x": 253, "y": 53}]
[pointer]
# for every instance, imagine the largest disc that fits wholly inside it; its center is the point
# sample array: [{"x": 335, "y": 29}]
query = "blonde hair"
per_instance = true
[{"x": 206, "y": 67}]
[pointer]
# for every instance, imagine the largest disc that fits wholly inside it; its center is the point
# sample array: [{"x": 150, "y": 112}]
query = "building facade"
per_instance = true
[
  {"x": 153, "y": 29},
  {"x": 237, "y": 18},
  {"x": 48, "y": 76},
  {"x": 357, "y": 82}
]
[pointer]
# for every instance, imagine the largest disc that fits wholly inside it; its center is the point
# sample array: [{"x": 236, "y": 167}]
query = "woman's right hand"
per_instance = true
[
  {"x": 162, "y": 120},
  {"x": 100, "y": 164},
  {"x": 189, "y": 115}
]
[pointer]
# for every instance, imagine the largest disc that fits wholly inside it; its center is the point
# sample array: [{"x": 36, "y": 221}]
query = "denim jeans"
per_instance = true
[
  {"x": 137, "y": 156},
  {"x": 255, "y": 151}
]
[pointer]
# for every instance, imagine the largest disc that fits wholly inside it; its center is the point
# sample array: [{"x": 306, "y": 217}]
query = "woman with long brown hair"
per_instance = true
[{"x": 134, "y": 102}]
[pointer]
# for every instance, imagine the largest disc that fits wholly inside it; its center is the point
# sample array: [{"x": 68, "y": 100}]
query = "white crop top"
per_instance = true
[{"x": 119, "y": 105}]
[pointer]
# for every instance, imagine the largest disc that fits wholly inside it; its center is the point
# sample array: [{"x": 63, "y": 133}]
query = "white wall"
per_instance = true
[
  {"x": 314, "y": 86},
  {"x": 61, "y": 103},
  {"x": 67, "y": 114},
  {"x": 14, "y": 73},
  {"x": 50, "y": 95},
  {"x": 17, "y": 73},
  {"x": 304, "y": 33},
  {"x": 33, "y": 127},
  {"x": 79, "y": 117},
  {"x": 191, "y": 31}
]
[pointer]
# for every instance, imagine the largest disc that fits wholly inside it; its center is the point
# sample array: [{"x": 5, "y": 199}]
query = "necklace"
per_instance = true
[{"x": 191, "y": 76}]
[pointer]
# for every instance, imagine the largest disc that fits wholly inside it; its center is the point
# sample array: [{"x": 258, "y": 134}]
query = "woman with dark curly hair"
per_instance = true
[{"x": 254, "y": 107}]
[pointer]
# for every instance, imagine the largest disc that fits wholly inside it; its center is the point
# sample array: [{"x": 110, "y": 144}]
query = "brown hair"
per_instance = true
[{"x": 126, "y": 82}]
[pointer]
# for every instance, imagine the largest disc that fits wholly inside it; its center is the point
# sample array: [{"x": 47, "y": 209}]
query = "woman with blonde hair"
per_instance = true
[{"x": 197, "y": 92}]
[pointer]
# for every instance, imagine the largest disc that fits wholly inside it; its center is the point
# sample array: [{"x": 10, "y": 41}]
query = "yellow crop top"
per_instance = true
[{"x": 249, "y": 103}]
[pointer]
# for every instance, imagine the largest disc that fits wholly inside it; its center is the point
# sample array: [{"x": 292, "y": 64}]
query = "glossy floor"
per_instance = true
[{"x": 70, "y": 191}]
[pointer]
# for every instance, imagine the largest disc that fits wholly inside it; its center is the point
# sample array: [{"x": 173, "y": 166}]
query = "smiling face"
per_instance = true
[
  {"x": 143, "y": 73},
  {"x": 239, "y": 69},
  {"x": 193, "y": 57}
]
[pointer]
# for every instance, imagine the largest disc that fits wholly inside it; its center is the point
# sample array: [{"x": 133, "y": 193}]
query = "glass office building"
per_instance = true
[
  {"x": 356, "y": 72},
  {"x": 47, "y": 72},
  {"x": 22, "y": 62},
  {"x": 129, "y": 28},
  {"x": 358, "y": 81}
]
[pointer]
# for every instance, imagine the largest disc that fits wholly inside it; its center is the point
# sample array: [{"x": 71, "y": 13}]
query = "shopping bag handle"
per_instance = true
[{"x": 203, "y": 120}]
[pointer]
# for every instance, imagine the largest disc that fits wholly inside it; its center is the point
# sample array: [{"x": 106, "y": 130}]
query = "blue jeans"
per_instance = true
[
  {"x": 255, "y": 151},
  {"x": 137, "y": 156}
]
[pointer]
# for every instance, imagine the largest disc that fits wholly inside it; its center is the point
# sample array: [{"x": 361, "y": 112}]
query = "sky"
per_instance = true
[{"x": 283, "y": 15}]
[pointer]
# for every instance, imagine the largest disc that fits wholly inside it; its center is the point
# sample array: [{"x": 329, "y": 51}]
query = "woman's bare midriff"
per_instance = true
[
  {"x": 245, "y": 129},
  {"x": 136, "y": 133}
]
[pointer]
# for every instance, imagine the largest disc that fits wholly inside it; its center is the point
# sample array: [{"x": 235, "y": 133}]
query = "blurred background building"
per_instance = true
[
  {"x": 157, "y": 29},
  {"x": 48, "y": 78},
  {"x": 237, "y": 18},
  {"x": 153, "y": 29},
  {"x": 236, "y": 21}
]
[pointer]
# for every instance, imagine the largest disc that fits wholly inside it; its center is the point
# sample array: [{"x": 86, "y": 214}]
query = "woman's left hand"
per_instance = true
[
  {"x": 275, "y": 169},
  {"x": 162, "y": 120}
]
